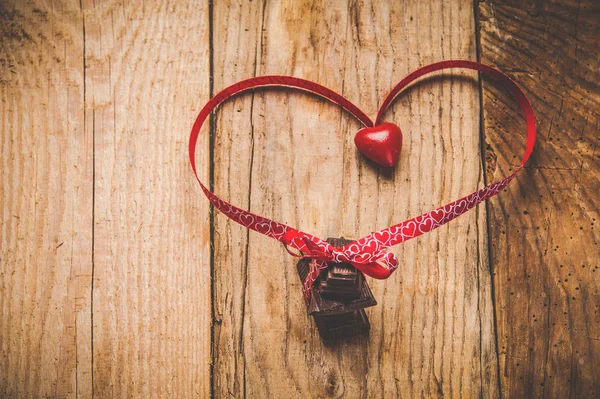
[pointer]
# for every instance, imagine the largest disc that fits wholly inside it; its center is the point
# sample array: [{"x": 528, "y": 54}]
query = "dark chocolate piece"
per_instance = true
[
  {"x": 341, "y": 283},
  {"x": 326, "y": 297},
  {"x": 345, "y": 325},
  {"x": 338, "y": 298}
]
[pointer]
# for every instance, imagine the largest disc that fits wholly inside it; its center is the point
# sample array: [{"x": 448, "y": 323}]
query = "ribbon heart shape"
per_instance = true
[{"x": 370, "y": 253}]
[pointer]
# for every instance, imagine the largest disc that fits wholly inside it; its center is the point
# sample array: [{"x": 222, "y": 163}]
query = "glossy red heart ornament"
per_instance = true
[{"x": 381, "y": 143}]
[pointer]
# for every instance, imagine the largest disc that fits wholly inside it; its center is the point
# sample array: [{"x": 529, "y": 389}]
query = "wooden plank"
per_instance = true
[
  {"x": 290, "y": 156},
  {"x": 544, "y": 229},
  {"x": 45, "y": 203},
  {"x": 147, "y": 76}
]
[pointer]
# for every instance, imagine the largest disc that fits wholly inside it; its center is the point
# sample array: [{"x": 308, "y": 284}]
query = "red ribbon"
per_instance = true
[{"x": 370, "y": 253}]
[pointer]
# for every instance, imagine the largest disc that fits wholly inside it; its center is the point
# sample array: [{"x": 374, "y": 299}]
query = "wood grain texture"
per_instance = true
[
  {"x": 45, "y": 203},
  {"x": 106, "y": 282},
  {"x": 290, "y": 156},
  {"x": 147, "y": 75},
  {"x": 544, "y": 228}
]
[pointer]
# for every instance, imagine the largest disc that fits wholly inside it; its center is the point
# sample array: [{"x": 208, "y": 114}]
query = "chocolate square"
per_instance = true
[
  {"x": 338, "y": 298},
  {"x": 345, "y": 325},
  {"x": 339, "y": 288},
  {"x": 341, "y": 282}
]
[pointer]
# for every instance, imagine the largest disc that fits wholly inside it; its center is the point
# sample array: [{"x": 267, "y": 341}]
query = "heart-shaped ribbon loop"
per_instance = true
[{"x": 370, "y": 253}]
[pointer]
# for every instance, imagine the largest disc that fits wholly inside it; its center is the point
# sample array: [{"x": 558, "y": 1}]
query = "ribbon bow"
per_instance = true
[{"x": 372, "y": 259}]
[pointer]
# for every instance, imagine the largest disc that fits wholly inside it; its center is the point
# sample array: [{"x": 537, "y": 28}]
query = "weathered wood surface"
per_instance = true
[
  {"x": 147, "y": 75},
  {"x": 544, "y": 229},
  {"x": 290, "y": 156},
  {"x": 108, "y": 284},
  {"x": 46, "y": 160},
  {"x": 95, "y": 184}
]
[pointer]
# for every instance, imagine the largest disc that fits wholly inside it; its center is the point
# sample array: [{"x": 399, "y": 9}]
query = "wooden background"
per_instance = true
[{"x": 116, "y": 280}]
